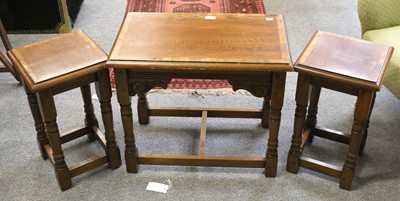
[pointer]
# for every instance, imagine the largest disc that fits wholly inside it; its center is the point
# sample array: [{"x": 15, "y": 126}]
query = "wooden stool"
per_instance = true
[
  {"x": 345, "y": 65},
  {"x": 57, "y": 65}
]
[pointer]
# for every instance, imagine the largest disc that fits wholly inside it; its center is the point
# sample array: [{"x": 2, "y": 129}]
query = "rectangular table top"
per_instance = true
[{"x": 199, "y": 41}]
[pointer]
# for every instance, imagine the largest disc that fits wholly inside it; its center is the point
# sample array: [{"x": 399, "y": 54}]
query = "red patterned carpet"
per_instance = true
[{"x": 195, "y": 6}]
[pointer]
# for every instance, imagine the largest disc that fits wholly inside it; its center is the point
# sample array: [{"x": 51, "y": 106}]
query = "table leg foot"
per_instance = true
[
  {"x": 131, "y": 161},
  {"x": 114, "y": 158},
  {"x": 292, "y": 163},
  {"x": 63, "y": 178},
  {"x": 271, "y": 164}
]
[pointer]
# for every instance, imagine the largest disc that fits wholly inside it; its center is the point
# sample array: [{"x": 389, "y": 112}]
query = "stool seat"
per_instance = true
[
  {"x": 47, "y": 63},
  {"x": 346, "y": 59},
  {"x": 342, "y": 64}
]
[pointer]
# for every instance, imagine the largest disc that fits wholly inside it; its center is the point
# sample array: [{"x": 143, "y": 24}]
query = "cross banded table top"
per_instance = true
[{"x": 198, "y": 41}]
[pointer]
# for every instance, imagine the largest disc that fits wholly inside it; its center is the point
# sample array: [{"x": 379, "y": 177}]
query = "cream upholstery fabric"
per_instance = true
[{"x": 380, "y": 22}]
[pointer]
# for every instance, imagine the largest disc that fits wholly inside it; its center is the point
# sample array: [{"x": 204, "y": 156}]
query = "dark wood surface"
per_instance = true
[
  {"x": 81, "y": 53},
  {"x": 190, "y": 42},
  {"x": 52, "y": 67},
  {"x": 345, "y": 57},
  {"x": 250, "y": 51},
  {"x": 345, "y": 65}
]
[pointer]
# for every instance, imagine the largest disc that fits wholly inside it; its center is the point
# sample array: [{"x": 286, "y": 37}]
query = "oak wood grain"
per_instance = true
[
  {"x": 253, "y": 39},
  {"x": 342, "y": 64},
  {"x": 57, "y": 65},
  {"x": 82, "y": 53},
  {"x": 351, "y": 60},
  {"x": 250, "y": 51}
]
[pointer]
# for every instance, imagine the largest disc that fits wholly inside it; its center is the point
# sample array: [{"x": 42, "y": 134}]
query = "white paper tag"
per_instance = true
[
  {"x": 269, "y": 19},
  {"x": 94, "y": 97},
  {"x": 210, "y": 17},
  {"x": 157, "y": 187}
]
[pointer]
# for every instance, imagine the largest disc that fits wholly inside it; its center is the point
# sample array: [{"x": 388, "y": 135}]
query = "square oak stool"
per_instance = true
[
  {"x": 250, "y": 51},
  {"x": 57, "y": 65},
  {"x": 342, "y": 64}
]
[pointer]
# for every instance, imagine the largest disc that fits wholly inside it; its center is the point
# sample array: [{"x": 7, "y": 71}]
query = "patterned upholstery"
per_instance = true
[{"x": 380, "y": 22}]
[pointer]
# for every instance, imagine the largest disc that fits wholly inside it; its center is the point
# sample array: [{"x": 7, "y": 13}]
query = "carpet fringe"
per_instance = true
[{"x": 202, "y": 92}]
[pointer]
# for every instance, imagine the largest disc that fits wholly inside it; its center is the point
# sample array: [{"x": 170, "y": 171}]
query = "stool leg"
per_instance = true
[
  {"x": 39, "y": 124},
  {"x": 312, "y": 110},
  {"x": 265, "y": 111},
  {"x": 277, "y": 94},
  {"x": 90, "y": 118},
  {"x": 103, "y": 90},
  {"x": 121, "y": 79},
  {"x": 48, "y": 110},
  {"x": 366, "y": 128},
  {"x": 361, "y": 114},
  {"x": 302, "y": 92}
]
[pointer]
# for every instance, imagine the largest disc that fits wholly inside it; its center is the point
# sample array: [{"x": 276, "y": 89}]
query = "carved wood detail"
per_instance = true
[
  {"x": 257, "y": 89},
  {"x": 142, "y": 86}
]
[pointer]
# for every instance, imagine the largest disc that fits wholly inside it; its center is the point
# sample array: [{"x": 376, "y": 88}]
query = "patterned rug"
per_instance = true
[{"x": 195, "y": 6}]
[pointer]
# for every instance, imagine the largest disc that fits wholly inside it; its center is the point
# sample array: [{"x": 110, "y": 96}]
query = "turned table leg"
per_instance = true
[
  {"x": 48, "y": 110},
  {"x": 39, "y": 124},
  {"x": 364, "y": 140},
  {"x": 303, "y": 85},
  {"x": 361, "y": 115},
  {"x": 277, "y": 94},
  {"x": 124, "y": 100},
  {"x": 90, "y": 118},
  {"x": 265, "y": 111},
  {"x": 104, "y": 94},
  {"x": 311, "y": 120}
]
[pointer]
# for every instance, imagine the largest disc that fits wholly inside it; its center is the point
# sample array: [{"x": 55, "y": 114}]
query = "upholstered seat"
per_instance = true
[{"x": 380, "y": 22}]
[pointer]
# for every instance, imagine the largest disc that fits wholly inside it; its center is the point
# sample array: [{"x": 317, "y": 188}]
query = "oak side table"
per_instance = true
[{"x": 250, "y": 51}]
